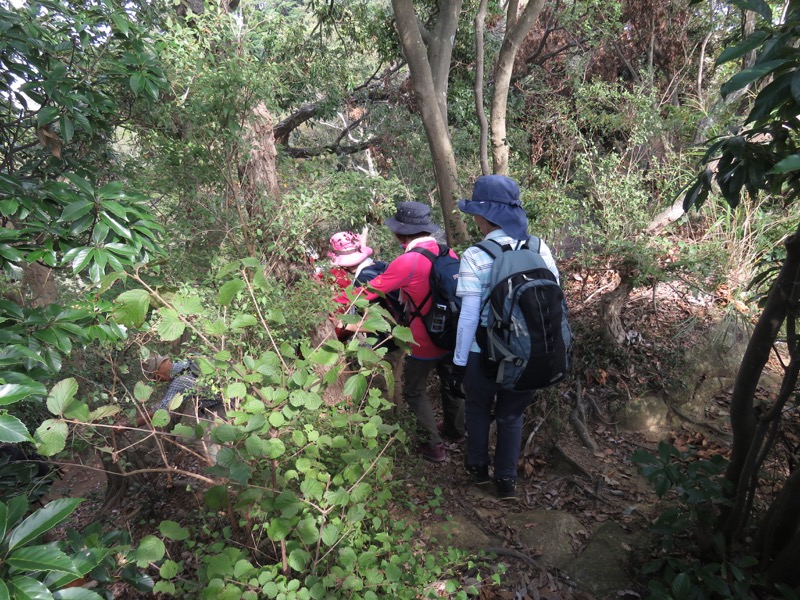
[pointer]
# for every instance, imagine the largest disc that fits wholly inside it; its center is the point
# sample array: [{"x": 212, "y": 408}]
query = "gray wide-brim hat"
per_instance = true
[
  {"x": 496, "y": 199},
  {"x": 150, "y": 366},
  {"x": 411, "y": 218}
]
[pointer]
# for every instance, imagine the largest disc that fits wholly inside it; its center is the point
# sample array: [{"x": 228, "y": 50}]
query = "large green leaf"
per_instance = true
[
  {"x": 681, "y": 586},
  {"x": 298, "y": 559},
  {"x": 82, "y": 258},
  {"x": 151, "y": 549},
  {"x": 75, "y": 210},
  {"x": 67, "y": 128},
  {"x": 61, "y": 396},
  {"x": 102, "y": 412},
  {"x": 115, "y": 189},
  {"x": 242, "y": 321},
  {"x": 137, "y": 82},
  {"x": 237, "y": 389},
  {"x": 747, "y": 76},
  {"x": 17, "y": 507},
  {"x": 757, "y": 6},
  {"x": 355, "y": 387},
  {"x": 324, "y": 356},
  {"x": 142, "y": 391},
  {"x": 51, "y": 437},
  {"x": 46, "y": 115},
  {"x": 3, "y": 520},
  {"x": 80, "y": 183},
  {"x": 173, "y": 530},
  {"x": 734, "y": 52},
  {"x": 76, "y": 593},
  {"x": 130, "y": 307},
  {"x": 4, "y": 593},
  {"x": 187, "y": 305},
  {"x": 84, "y": 561},
  {"x": 41, "y": 521},
  {"x": 41, "y": 558},
  {"x": 170, "y": 327},
  {"x": 116, "y": 226},
  {"x": 27, "y": 588},
  {"x": 14, "y": 392},
  {"x": 787, "y": 165},
  {"x": 229, "y": 290},
  {"x": 12, "y": 430}
]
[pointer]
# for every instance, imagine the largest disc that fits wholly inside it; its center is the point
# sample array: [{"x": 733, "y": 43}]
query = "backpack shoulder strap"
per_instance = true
[
  {"x": 425, "y": 252},
  {"x": 536, "y": 242},
  {"x": 488, "y": 248},
  {"x": 417, "y": 312}
]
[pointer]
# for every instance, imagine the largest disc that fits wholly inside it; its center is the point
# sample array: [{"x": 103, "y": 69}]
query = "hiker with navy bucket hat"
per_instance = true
[{"x": 499, "y": 215}]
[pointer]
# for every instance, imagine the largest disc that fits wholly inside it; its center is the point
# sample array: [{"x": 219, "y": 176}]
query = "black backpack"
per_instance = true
[
  {"x": 441, "y": 320},
  {"x": 527, "y": 344}
]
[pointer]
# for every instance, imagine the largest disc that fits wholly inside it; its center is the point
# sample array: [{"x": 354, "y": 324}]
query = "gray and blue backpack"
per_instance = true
[{"x": 527, "y": 343}]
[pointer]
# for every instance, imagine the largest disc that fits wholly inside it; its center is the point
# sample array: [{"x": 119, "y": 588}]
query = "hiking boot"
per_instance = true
[
  {"x": 435, "y": 453},
  {"x": 480, "y": 475},
  {"x": 455, "y": 438},
  {"x": 506, "y": 488}
]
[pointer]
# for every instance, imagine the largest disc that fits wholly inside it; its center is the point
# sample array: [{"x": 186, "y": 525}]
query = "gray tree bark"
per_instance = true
[
  {"x": 429, "y": 81},
  {"x": 517, "y": 29},
  {"x": 484, "y": 124}
]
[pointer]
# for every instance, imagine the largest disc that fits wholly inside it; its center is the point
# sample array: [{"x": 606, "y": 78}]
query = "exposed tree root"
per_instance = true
[
  {"x": 573, "y": 463},
  {"x": 684, "y": 417},
  {"x": 513, "y": 554},
  {"x": 577, "y": 419}
]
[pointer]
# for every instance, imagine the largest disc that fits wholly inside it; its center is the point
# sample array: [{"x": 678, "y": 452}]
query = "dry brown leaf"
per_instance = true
[{"x": 50, "y": 140}]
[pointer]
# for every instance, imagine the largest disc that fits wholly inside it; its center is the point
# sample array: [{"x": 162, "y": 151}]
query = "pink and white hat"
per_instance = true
[{"x": 349, "y": 249}]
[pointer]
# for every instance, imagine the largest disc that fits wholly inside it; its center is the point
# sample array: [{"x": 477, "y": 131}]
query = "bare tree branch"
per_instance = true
[{"x": 331, "y": 149}]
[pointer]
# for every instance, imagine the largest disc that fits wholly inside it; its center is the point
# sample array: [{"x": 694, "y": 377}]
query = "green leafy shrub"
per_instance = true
[
  {"x": 303, "y": 496},
  {"x": 694, "y": 561},
  {"x": 30, "y": 568}
]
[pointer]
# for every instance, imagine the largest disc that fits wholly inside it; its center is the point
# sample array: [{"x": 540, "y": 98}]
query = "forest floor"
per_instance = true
[{"x": 557, "y": 471}]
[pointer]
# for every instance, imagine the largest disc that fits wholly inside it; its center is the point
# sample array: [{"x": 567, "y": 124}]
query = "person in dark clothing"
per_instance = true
[
  {"x": 498, "y": 212},
  {"x": 182, "y": 377}
]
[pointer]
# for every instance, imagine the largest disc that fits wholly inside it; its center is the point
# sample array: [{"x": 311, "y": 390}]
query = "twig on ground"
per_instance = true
[{"x": 593, "y": 493}]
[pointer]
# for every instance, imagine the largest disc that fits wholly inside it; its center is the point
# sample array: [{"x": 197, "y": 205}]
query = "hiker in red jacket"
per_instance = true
[{"x": 410, "y": 274}]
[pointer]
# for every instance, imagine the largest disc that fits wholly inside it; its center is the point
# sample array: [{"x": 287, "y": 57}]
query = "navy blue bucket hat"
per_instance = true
[
  {"x": 496, "y": 199},
  {"x": 411, "y": 218}
]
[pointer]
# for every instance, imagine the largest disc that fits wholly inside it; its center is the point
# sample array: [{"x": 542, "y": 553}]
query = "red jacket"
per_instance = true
[{"x": 409, "y": 273}]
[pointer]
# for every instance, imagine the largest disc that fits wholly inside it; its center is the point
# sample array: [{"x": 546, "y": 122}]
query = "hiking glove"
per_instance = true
[{"x": 457, "y": 376}]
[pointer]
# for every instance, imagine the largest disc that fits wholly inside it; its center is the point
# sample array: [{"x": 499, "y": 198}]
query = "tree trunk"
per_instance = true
[
  {"x": 440, "y": 50},
  {"x": 436, "y": 131},
  {"x": 611, "y": 307},
  {"x": 40, "y": 284},
  {"x": 777, "y": 541},
  {"x": 783, "y": 295},
  {"x": 479, "y": 110},
  {"x": 258, "y": 179},
  {"x": 517, "y": 29},
  {"x": 261, "y": 178}
]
